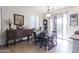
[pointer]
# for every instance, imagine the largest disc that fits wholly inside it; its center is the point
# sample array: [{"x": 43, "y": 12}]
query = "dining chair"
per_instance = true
[{"x": 36, "y": 39}]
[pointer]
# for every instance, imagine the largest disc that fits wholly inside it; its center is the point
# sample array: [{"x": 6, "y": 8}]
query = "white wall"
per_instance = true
[{"x": 7, "y": 12}]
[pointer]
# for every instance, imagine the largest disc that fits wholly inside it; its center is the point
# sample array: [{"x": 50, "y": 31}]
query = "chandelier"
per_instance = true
[{"x": 48, "y": 13}]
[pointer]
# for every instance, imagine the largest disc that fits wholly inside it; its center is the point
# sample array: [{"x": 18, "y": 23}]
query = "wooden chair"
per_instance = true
[{"x": 36, "y": 39}]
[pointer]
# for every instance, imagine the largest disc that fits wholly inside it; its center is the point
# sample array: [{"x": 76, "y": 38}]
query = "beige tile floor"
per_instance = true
[{"x": 63, "y": 46}]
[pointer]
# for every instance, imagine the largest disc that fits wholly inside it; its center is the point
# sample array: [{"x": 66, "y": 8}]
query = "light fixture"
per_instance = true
[{"x": 48, "y": 13}]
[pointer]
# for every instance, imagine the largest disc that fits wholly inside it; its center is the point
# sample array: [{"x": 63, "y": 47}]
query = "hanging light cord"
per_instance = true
[{"x": 48, "y": 9}]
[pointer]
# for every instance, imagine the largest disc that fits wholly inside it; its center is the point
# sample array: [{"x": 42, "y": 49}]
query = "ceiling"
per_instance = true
[
  {"x": 43, "y": 9},
  {"x": 39, "y": 9}
]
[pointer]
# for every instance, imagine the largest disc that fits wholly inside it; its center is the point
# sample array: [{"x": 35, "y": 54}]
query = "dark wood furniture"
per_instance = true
[
  {"x": 76, "y": 32},
  {"x": 48, "y": 41},
  {"x": 18, "y": 33},
  {"x": 36, "y": 38},
  {"x": 52, "y": 41}
]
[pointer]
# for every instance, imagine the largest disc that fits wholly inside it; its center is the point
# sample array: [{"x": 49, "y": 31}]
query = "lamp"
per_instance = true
[
  {"x": 9, "y": 20},
  {"x": 48, "y": 13}
]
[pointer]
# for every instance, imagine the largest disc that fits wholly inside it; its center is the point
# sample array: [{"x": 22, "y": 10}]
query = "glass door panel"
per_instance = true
[{"x": 59, "y": 27}]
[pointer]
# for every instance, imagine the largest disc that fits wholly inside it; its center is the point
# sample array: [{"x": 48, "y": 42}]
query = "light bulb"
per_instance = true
[{"x": 48, "y": 15}]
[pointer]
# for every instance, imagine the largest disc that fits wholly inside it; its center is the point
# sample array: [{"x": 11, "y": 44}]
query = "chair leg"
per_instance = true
[
  {"x": 41, "y": 44},
  {"x": 45, "y": 48},
  {"x": 46, "y": 45}
]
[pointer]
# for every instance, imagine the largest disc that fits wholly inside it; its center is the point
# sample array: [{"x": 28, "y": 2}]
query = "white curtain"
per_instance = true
[
  {"x": 32, "y": 22},
  {"x": 51, "y": 24},
  {"x": 0, "y": 18},
  {"x": 35, "y": 22}
]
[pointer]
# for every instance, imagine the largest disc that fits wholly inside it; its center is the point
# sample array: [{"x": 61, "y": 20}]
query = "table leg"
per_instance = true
[
  {"x": 6, "y": 43},
  {"x": 14, "y": 41}
]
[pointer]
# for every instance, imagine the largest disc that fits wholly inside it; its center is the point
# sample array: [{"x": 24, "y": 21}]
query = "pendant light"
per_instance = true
[{"x": 48, "y": 13}]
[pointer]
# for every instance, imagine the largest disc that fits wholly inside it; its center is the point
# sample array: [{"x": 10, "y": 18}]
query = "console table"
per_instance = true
[{"x": 18, "y": 33}]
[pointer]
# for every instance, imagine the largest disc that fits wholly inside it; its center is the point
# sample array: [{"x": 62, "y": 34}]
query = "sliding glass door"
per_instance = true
[
  {"x": 61, "y": 26},
  {"x": 51, "y": 24},
  {"x": 64, "y": 26}
]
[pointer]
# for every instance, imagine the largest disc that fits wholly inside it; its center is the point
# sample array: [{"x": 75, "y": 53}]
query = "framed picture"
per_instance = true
[
  {"x": 74, "y": 19},
  {"x": 18, "y": 19}
]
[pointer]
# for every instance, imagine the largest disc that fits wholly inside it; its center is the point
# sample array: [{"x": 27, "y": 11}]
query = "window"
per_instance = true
[
  {"x": 0, "y": 18},
  {"x": 32, "y": 22},
  {"x": 51, "y": 24},
  {"x": 61, "y": 26},
  {"x": 35, "y": 22},
  {"x": 64, "y": 25}
]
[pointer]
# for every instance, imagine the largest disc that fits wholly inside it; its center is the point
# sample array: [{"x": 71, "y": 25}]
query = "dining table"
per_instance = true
[{"x": 47, "y": 40}]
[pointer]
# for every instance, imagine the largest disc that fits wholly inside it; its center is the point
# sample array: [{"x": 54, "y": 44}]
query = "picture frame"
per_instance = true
[
  {"x": 74, "y": 19},
  {"x": 18, "y": 19}
]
